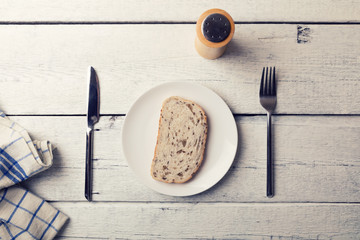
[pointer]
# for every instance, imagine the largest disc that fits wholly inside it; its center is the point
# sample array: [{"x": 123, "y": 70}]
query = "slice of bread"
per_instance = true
[{"x": 181, "y": 141}]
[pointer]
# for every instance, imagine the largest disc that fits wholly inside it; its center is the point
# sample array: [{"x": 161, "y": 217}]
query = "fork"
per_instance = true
[{"x": 267, "y": 96}]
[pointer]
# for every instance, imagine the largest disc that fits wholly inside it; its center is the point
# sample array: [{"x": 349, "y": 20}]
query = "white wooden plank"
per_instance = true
[
  {"x": 211, "y": 221},
  {"x": 316, "y": 160},
  {"x": 184, "y": 10},
  {"x": 43, "y": 67}
]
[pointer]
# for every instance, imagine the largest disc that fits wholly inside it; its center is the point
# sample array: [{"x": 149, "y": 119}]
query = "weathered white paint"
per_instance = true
[
  {"x": 44, "y": 67},
  {"x": 316, "y": 160},
  {"x": 178, "y": 11},
  {"x": 207, "y": 221}
]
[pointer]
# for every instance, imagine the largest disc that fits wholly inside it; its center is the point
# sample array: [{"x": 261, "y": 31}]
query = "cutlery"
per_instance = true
[
  {"x": 93, "y": 110},
  {"x": 267, "y": 96}
]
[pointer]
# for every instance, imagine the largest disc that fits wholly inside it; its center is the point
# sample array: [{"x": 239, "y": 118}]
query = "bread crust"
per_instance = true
[{"x": 195, "y": 170}]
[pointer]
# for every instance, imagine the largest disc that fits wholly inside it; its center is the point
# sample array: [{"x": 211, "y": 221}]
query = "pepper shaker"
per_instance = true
[{"x": 214, "y": 30}]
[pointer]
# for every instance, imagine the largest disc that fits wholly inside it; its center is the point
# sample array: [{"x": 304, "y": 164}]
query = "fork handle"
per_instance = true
[{"x": 269, "y": 169}]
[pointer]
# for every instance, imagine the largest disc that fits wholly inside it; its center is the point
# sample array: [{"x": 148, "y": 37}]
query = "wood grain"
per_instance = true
[
  {"x": 177, "y": 11},
  {"x": 47, "y": 46},
  {"x": 211, "y": 221},
  {"x": 315, "y": 161},
  {"x": 44, "y": 66}
]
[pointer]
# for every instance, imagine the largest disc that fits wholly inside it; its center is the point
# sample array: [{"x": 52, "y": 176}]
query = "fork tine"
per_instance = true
[
  {"x": 262, "y": 83},
  {"x": 270, "y": 82},
  {"x": 266, "y": 91},
  {"x": 273, "y": 83}
]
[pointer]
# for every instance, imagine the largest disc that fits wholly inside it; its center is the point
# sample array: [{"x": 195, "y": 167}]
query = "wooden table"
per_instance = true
[{"x": 46, "y": 47}]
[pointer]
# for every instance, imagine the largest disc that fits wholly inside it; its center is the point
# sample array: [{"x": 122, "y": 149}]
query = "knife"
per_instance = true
[{"x": 93, "y": 114}]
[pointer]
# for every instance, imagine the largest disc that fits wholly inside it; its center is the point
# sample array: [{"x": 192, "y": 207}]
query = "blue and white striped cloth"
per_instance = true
[{"x": 22, "y": 214}]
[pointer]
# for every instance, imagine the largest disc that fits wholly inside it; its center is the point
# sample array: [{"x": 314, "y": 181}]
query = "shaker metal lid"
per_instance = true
[
  {"x": 216, "y": 27},
  {"x": 210, "y": 42}
]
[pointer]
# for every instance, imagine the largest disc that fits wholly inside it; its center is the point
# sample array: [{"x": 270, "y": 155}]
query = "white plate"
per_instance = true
[{"x": 141, "y": 127}]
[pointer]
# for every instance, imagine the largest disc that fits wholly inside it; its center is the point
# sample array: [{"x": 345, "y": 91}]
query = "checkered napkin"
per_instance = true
[{"x": 22, "y": 214}]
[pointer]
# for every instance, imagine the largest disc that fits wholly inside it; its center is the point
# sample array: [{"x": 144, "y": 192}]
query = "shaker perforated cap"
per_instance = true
[{"x": 216, "y": 27}]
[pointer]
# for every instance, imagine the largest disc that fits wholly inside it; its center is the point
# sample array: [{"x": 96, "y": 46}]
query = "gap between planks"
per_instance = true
[
  {"x": 228, "y": 204},
  {"x": 234, "y": 114},
  {"x": 169, "y": 22}
]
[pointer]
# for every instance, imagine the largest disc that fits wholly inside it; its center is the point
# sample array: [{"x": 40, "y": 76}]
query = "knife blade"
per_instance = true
[{"x": 93, "y": 115}]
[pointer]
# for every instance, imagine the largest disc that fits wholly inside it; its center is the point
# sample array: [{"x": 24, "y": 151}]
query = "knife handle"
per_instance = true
[{"x": 88, "y": 164}]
